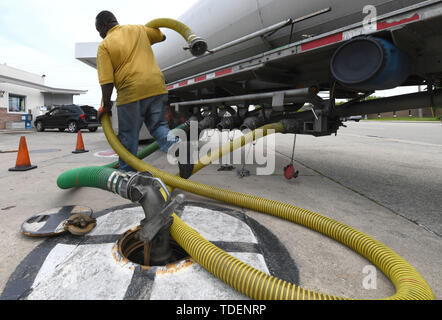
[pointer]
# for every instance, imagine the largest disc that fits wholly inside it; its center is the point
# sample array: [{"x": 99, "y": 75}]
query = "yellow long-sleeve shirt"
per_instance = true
[{"x": 125, "y": 58}]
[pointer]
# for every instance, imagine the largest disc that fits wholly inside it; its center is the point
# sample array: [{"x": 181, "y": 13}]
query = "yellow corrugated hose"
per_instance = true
[
  {"x": 179, "y": 27},
  {"x": 236, "y": 144},
  {"x": 252, "y": 282}
]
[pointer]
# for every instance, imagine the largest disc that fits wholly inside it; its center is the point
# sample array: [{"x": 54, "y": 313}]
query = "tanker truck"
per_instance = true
[{"x": 290, "y": 61}]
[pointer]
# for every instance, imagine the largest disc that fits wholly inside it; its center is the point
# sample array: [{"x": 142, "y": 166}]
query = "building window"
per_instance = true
[{"x": 17, "y": 103}]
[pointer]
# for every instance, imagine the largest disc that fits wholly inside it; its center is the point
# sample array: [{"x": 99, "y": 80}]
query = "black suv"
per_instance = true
[{"x": 71, "y": 117}]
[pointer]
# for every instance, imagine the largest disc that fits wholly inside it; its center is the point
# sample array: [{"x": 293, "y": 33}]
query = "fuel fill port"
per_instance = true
[
  {"x": 131, "y": 249},
  {"x": 150, "y": 244}
]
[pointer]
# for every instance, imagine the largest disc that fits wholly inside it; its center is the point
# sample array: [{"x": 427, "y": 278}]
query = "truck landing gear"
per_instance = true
[
  {"x": 289, "y": 171},
  {"x": 243, "y": 172}
]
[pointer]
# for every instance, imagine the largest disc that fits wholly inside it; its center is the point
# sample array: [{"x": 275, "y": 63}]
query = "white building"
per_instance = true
[{"x": 23, "y": 92}]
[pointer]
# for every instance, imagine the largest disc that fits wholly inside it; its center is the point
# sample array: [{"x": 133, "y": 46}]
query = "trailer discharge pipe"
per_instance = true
[{"x": 249, "y": 281}]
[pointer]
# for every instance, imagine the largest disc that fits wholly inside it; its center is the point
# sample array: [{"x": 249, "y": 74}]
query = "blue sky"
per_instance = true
[{"x": 39, "y": 36}]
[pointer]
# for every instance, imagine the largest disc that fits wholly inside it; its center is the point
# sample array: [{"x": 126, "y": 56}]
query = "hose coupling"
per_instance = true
[
  {"x": 150, "y": 228},
  {"x": 115, "y": 182},
  {"x": 134, "y": 186},
  {"x": 198, "y": 46}
]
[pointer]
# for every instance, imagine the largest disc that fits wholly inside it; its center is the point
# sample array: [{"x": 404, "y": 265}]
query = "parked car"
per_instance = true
[
  {"x": 353, "y": 118},
  {"x": 71, "y": 117}
]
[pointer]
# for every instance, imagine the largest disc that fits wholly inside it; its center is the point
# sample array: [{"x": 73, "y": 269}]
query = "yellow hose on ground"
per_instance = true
[
  {"x": 236, "y": 144},
  {"x": 251, "y": 282}
]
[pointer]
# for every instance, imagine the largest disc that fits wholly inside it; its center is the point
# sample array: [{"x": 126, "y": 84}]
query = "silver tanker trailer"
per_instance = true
[
  {"x": 280, "y": 54},
  {"x": 221, "y": 22}
]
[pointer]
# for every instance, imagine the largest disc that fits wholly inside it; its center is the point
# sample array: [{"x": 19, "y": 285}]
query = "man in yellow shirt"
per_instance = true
[{"x": 125, "y": 60}]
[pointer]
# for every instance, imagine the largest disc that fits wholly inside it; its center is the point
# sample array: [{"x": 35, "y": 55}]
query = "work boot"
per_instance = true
[{"x": 186, "y": 169}]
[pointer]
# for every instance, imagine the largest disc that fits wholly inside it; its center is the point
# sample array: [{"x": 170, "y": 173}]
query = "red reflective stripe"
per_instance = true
[
  {"x": 184, "y": 83},
  {"x": 385, "y": 25},
  {"x": 322, "y": 42},
  {"x": 223, "y": 72},
  {"x": 202, "y": 78}
]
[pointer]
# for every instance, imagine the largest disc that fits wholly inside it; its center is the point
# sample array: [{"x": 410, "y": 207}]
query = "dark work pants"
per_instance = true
[{"x": 131, "y": 116}]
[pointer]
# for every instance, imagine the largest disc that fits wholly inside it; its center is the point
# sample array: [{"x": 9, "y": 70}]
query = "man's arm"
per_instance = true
[
  {"x": 155, "y": 35},
  {"x": 106, "y": 92},
  {"x": 106, "y": 78}
]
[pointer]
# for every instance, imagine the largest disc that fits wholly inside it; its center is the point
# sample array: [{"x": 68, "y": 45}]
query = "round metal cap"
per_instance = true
[
  {"x": 357, "y": 61},
  {"x": 51, "y": 222}
]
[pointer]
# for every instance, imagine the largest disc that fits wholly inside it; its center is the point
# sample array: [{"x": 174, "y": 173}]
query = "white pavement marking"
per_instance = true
[
  {"x": 91, "y": 272},
  {"x": 106, "y": 154},
  {"x": 88, "y": 272},
  {"x": 118, "y": 222},
  {"x": 217, "y": 226},
  {"x": 53, "y": 260},
  {"x": 192, "y": 283},
  {"x": 197, "y": 283}
]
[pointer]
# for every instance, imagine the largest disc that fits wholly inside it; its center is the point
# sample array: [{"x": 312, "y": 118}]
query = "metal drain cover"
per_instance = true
[{"x": 51, "y": 222}]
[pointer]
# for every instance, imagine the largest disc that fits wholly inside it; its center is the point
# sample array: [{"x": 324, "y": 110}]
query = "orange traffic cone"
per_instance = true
[
  {"x": 23, "y": 162},
  {"x": 80, "y": 144}
]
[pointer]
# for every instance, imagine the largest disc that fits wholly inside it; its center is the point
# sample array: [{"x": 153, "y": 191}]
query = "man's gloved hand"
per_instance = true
[{"x": 104, "y": 110}]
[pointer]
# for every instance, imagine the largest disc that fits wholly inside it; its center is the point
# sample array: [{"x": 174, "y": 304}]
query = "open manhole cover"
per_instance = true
[
  {"x": 132, "y": 249},
  {"x": 51, "y": 222}
]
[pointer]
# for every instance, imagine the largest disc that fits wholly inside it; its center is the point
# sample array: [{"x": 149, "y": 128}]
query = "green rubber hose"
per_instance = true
[{"x": 92, "y": 177}]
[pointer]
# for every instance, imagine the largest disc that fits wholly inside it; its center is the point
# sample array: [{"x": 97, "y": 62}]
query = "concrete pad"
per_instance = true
[{"x": 88, "y": 268}]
